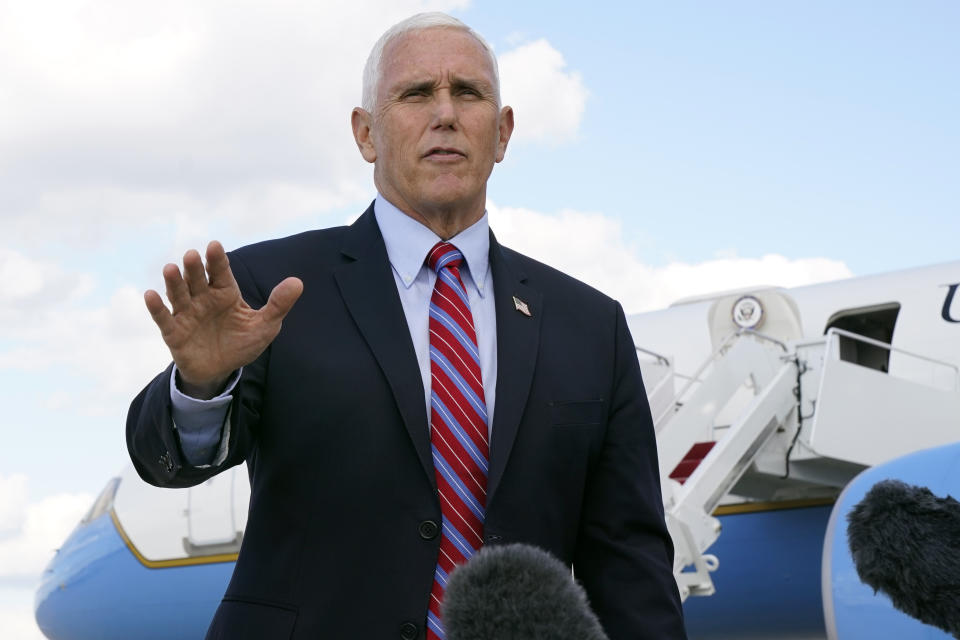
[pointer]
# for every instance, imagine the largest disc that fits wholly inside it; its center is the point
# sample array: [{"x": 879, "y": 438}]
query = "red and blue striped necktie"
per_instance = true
[{"x": 458, "y": 424}]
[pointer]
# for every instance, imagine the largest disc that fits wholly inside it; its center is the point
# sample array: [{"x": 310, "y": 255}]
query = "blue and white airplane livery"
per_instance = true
[{"x": 776, "y": 410}]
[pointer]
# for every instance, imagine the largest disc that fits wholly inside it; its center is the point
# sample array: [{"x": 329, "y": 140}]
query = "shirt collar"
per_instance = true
[{"x": 409, "y": 241}]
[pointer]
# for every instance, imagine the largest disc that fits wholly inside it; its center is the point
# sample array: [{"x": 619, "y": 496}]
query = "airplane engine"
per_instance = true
[{"x": 852, "y": 609}]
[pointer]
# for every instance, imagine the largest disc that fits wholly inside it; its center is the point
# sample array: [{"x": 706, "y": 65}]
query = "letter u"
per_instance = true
[{"x": 951, "y": 292}]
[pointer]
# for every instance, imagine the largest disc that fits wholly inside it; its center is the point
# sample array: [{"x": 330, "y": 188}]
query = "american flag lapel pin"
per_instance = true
[{"x": 522, "y": 307}]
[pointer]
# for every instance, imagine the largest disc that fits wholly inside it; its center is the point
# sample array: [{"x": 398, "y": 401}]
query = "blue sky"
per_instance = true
[
  {"x": 738, "y": 143},
  {"x": 815, "y": 128}
]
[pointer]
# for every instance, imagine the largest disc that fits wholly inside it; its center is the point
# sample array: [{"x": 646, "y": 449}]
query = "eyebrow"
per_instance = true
[
  {"x": 456, "y": 83},
  {"x": 417, "y": 85},
  {"x": 469, "y": 83}
]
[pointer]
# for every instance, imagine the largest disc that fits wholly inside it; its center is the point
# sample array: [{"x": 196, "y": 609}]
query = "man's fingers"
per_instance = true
[
  {"x": 193, "y": 273},
  {"x": 177, "y": 292},
  {"x": 218, "y": 266},
  {"x": 281, "y": 299},
  {"x": 158, "y": 311}
]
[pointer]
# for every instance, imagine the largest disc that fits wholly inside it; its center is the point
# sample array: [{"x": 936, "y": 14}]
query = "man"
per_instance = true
[{"x": 429, "y": 390}]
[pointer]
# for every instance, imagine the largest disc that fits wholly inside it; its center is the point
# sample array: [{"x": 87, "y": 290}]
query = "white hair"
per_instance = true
[{"x": 373, "y": 70}]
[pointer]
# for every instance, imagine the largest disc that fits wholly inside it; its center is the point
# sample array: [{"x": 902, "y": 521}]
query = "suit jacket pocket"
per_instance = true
[
  {"x": 581, "y": 412},
  {"x": 240, "y": 619}
]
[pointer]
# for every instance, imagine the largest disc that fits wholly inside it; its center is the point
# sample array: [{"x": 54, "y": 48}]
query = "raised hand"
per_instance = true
[{"x": 211, "y": 332}]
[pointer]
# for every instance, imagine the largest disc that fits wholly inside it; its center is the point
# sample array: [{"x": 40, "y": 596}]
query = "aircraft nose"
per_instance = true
[
  {"x": 96, "y": 589},
  {"x": 49, "y": 605},
  {"x": 72, "y": 592}
]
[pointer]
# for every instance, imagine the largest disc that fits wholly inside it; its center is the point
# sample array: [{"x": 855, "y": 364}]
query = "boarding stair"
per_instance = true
[
  {"x": 704, "y": 467},
  {"x": 785, "y": 416}
]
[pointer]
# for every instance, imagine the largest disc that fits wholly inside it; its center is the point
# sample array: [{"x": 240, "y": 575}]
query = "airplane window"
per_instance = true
[{"x": 104, "y": 501}]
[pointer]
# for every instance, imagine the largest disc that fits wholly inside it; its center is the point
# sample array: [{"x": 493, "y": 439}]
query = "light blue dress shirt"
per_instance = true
[{"x": 199, "y": 423}]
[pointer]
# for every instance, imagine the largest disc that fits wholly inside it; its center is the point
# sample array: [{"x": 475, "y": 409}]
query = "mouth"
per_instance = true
[{"x": 442, "y": 153}]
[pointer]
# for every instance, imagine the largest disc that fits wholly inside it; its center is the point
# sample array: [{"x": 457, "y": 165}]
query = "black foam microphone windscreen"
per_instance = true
[
  {"x": 905, "y": 542},
  {"x": 517, "y": 592}
]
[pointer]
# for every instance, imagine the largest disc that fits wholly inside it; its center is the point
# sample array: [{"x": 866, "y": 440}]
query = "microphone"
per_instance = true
[
  {"x": 516, "y": 592},
  {"x": 905, "y": 542}
]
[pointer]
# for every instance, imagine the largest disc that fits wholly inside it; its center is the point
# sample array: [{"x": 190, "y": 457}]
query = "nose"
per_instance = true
[{"x": 445, "y": 110}]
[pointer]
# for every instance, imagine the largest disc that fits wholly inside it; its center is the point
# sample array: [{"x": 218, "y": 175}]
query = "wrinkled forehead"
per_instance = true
[{"x": 437, "y": 53}]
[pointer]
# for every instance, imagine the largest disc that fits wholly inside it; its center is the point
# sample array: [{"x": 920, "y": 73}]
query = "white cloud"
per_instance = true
[
  {"x": 53, "y": 326},
  {"x": 29, "y": 534},
  {"x": 114, "y": 345},
  {"x": 17, "y": 620},
  {"x": 31, "y": 531},
  {"x": 27, "y": 284},
  {"x": 590, "y": 247},
  {"x": 119, "y": 112},
  {"x": 13, "y": 503},
  {"x": 548, "y": 99}
]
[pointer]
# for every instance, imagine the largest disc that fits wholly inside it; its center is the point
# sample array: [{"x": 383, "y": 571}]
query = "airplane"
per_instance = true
[{"x": 775, "y": 410}]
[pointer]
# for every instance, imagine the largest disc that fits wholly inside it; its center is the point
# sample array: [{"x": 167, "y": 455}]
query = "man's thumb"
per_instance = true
[{"x": 282, "y": 298}]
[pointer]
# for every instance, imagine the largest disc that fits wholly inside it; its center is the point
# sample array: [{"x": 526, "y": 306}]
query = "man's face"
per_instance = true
[{"x": 437, "y": 129}]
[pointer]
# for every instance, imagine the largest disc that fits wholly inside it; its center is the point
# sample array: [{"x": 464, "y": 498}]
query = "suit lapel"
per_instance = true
[
  {"x": 518, "y": 339},
  {"x": 370, "y": 293}
]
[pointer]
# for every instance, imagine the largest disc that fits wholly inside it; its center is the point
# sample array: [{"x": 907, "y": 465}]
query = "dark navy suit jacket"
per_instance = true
[{"x": 341, "y": 538}]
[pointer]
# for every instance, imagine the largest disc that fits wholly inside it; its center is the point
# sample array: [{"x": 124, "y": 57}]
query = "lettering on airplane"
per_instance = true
[{"x": 948, "y": 303}]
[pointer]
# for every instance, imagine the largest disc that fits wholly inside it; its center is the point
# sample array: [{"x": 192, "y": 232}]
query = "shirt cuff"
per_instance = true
[{"x": 200, "y": 423}]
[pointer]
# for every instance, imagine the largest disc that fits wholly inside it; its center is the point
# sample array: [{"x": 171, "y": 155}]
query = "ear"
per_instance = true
[
  {"x": 506, "y": 130},
  {"x": 361, "y": 121}
]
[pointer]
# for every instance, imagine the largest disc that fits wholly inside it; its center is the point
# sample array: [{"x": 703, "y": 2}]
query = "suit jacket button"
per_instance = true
[
  {"x": 408, "y": 631},
  {"x": 429, "y": 529}
]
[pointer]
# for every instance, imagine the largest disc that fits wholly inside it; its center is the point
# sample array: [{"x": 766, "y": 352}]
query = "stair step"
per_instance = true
[{"x": 691, "y": 461}]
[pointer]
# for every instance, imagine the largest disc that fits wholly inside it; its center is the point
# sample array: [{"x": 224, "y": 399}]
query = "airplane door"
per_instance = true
[
  {"x": 211, "y": 519},
  {"x": 876, "y": 322}
]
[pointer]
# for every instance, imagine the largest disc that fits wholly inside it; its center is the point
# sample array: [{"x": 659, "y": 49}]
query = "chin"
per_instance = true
[{"x": 452, "y": 198}]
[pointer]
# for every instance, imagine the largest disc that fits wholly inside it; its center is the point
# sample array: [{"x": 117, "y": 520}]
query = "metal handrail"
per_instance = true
[
  {"x": 890, "y": 347},
  {"x": 810, "y": 342},
  {"x": 763, "y": 336},
  {"x": 661, "y": 358},
  {"x": 695, "y": 377}
]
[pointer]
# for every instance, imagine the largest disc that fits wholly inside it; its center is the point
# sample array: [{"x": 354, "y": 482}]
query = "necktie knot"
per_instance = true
[{"x": 443, "y": 255}]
